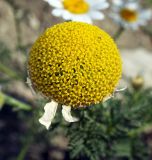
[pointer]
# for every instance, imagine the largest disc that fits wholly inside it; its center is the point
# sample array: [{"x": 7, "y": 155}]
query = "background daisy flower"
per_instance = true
[
  {"x": 129, "y": 14},
  {"x": 79, "y": 10}
]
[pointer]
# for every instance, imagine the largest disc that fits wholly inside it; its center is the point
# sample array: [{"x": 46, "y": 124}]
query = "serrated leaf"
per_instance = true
[{"x": 122, "y": 148}]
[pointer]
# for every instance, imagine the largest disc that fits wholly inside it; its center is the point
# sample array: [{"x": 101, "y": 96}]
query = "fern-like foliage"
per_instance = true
[{"x": 112, "y": 131}]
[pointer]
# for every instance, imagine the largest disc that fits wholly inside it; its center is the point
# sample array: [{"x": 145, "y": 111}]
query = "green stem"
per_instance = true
[
  {"x": 15, "y": 103},
  {"x": 30, "y": 136},
  {"x": 118, "y": 33},
  {"x": 9, "y": 72},
  {"x": 24, "y": 149}
]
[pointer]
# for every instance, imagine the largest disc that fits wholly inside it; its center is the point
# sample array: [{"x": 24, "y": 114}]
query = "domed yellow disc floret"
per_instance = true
[{"x": 75, "y": 64}]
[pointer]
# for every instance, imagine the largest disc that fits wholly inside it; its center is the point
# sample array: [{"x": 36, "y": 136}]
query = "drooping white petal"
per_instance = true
[
  {"x": 55, "y": 3},
  {"x": 96, "y": 15},
  {"x": 66, "y": 112},
  {"x": 50, "y": 111},
  {"x": 107, "y": 98},
  {"x": 28, "y": 81}
]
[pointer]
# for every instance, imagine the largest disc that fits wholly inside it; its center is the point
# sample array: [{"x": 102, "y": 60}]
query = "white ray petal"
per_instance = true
[
  {"x": 49, "y": 114},
  {"x": 67, "y": 15},
  {"x": 132, "y": 5},
  {"x": 82, "y": 18},
  {"x": 57, "y": 12},
  {"x": 29, "y": 83},
  {"x": 96, "y": 15},
  {"x": 145, "y": 14},
  {"x": 55, "y": 3},
  {"x": 117, "y": 2},
  {"x": 66, "y": 112},
  {"x": 121, "y": 89},
  {"x": 100, "y": 6},
  {"x": 94, "y": 2}
]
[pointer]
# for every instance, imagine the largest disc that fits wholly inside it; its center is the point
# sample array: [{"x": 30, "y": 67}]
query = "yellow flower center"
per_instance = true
[
  {"x": 76, "y": 6},
  {"x": 129, "y": 15},
  {"x": 75, "y": 64}
]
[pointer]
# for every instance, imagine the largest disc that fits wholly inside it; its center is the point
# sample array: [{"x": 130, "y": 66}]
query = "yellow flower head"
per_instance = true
[
  {"x": 76, "y": 6},
  {"x": 75, "y": 64}
]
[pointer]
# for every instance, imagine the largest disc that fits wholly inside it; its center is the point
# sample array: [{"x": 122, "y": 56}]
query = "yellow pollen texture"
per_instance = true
[
  {"x": 129, "y": 15},
  {"x": 76, "y": 6},
  {"x": 75, "y": 64}
]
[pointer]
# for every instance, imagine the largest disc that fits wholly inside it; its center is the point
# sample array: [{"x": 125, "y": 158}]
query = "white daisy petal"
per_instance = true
[
  {"x": 67, "y": 15},
  {"x": 82, "y": 18},
  {"x": 121, "y": 89},
  {"x": 134, "y": 26},
  {"x": 55, "y": 3},
  {"x": 99, "y": 6},
  {"x": 57, "y": 12},
  {"x": 96, "y": 15},
  {"x": 50, "y": 111},
  {"x": 145, "y": 14},
  {"x": 66, "y": 112},
  {"x": 132, "y": 5},
  {"x": 87, "y": 19},
  {"x": 117, "y": 2},
  {"x": 94, "y": 2}
]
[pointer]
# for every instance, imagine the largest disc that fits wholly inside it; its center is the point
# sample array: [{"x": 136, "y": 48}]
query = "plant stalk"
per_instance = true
[
  {"x": 14, "y": 102},
  {"x": 118, "y": 33}
]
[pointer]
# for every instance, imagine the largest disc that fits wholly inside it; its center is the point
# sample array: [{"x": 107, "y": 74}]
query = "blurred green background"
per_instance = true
[{"x": 120, "y": 129}]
